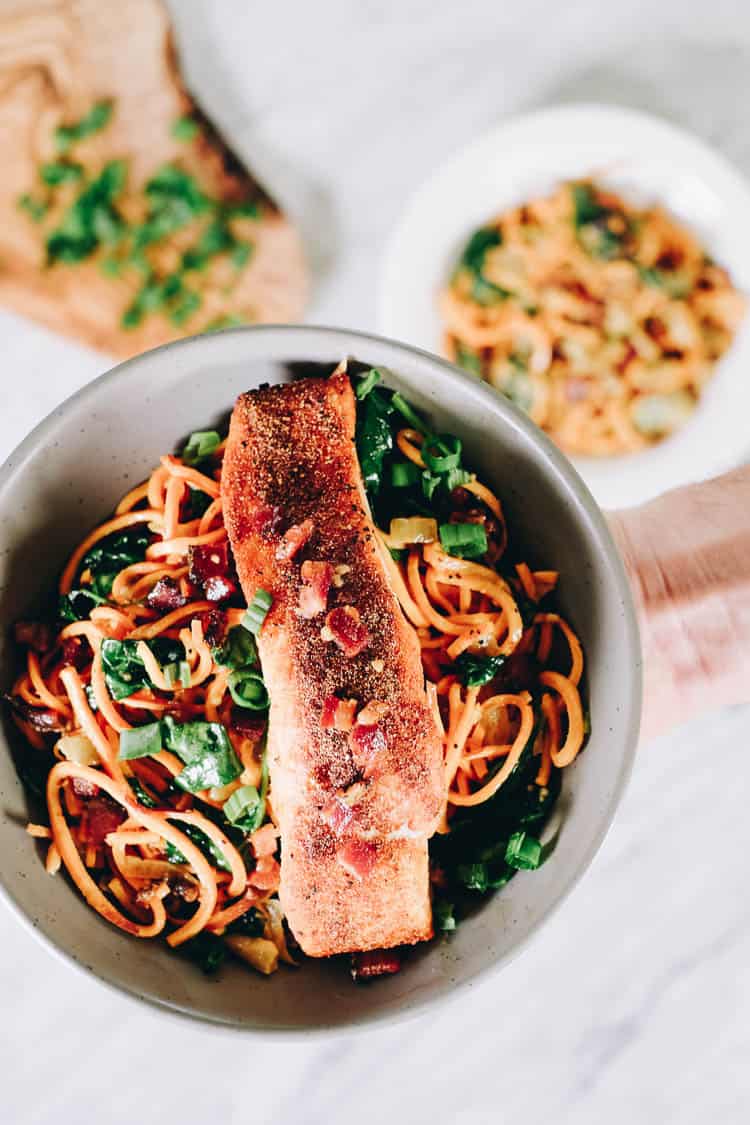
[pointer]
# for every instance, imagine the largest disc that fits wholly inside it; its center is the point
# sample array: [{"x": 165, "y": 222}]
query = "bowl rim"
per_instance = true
[{"x": 345, "y": 341}]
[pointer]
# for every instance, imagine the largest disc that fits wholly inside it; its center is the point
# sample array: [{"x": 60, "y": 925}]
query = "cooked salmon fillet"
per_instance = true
[{"x": 355, "y": 806}]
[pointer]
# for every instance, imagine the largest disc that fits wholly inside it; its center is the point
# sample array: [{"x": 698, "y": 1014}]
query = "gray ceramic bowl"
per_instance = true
[{"x": 69, "y": 473}]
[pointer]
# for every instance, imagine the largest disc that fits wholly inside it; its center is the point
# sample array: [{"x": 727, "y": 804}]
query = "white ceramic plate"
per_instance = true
[{"x": 645, "y": 158}]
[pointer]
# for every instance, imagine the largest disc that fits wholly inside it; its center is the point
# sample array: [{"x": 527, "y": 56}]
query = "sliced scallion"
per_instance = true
[
  {"x": 408, "y": 412},
  {"x": 404, "y": 474},
  {"x": 248, "y": 690},
  {"x": 245, "y": 808},
  {"x": 466, "y": 540},
  {"x": 523, "y": 852},
  {"x": 200, "y": 445},
  {"x": 367, "y": 382},
  {"x": 257, "y": 611},
  {"x": 441, "y": 454}
]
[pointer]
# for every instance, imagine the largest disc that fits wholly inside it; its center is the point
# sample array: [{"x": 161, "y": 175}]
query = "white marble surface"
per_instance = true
[{"x": 634, "y": 1004}]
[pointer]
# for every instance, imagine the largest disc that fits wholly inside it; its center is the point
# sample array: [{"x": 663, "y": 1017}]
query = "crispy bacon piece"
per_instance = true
[
  {"x": 338, "y": 714},
  {"x": 375, "y": 963},
  {"x": 214, "y": 624},
  {"x": 166, "y": 595},
  {"x": 348, "y": 630},
  {"x": 367, "y": 742},
  {"x": 266, "y": 874},
  {"x": 246, "y": 723},
  {"x": 358, "y": 857},
  {"x": 43, "y": 719},
  {"x": 84, "y": 788},
  {"x": 265, "y": 520},
  {"x": 313, "y": 596},
  {"x": 76, "y": 651},
  {"x": 294, "y": 539},
  {"x": 373, "y": 712},
  {"x": 35, "y": 635},
  {"x": 338, "y": 816},
  {"x": 100, "y": 817},
  {"x": 212, "y": 570}
]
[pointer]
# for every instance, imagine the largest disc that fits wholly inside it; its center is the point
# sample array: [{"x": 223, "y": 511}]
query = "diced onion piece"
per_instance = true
[
  {"x": 415, "y": 529},
  {"x": 78, "y": 748},
  {"x": 259, "y": 952}
]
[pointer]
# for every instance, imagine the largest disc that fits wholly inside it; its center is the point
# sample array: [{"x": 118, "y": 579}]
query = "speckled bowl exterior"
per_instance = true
[{"x": 69, "y": 473}]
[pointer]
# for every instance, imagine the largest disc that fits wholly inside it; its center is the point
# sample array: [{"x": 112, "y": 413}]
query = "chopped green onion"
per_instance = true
[
  {"x": 441, "y": 454},
  {"x": 138, "y": 742},
  {"x": 185, "y": 128},
  {"x": 367, "y": 382},
  {"x": 455, "y": 478},
  {"x": 257, "y": 611},
  {"x": 200, "y": 445},
  {"x": 409, "y": 413},
  {"x": 443, "y": 916},
  {"x": 248, "y": 690},
  {"x": 245, "y": 808},
  {"x": 404, "y": 474},
  {"x": 96, "y": 119},
  {"x": 430, "y": 482},
  {"x": 177, "y": 670},
  {"x": 465, "y": 540},
  {"x": 523, "y": 852}
]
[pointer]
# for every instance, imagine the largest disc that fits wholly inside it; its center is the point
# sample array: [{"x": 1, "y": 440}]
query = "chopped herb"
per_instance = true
[
  {"x": 138, "y": 742},
  {"x": 374, "y": 438},
  {"x": 523, "y": 852},
  {"x": 91, "y": 219},
  {"x": 124, "y": 671},
  {"x": 35, "y": 208},
  {"x": 443, "y": 916},
  {"x": 200, "y": 445},
  {"x": 475, "y": 671},
  {"x": 205, "y": 749},
  {"x": 240, "y": 254},
  {"x": 185, "y": 128},
  {"x": 207, "y": 950},
  {"x": 238, "y": 650},
  {"x": 219, "y": 323},
  {"x": 482, "y": 240},
  {"x": 245, "y": 808},
  {"x": 367, "y": 382},
  {"x": 257, "y": 611},
  {"x": 96, "y": 119},
  {"x": 60, "y": 172}
]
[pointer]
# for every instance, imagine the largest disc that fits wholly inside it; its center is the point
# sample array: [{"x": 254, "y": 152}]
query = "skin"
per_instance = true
[{"x": 687, "y": 555}]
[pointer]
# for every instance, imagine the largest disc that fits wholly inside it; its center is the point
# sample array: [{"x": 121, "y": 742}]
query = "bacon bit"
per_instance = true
[
  {"x": 266, "y": 874},
  {"x": 367, "y": 742},
  {"x": 166, "y": 595},
  {"x": 34, "y": 635},
  {"x": 656, "y": 328},
  {"x": 265, "y": 520},
  {"x": 214, "y": 624},
  {"x": 264, "y": 840},
  {"x": 77, "y": 652},
  {"x": 338, "y": 816},
  {"x": 42, "y": 719},
  {"x": 294, "y": 539},
  {"x": 348, "y": 630},
  {"x": 375, "y": 963},
  {"x": 372, "y": 713},
  {"x": 100, "y": 817},
  {"x": 247, "y": 724},
  {"x": 338, "y": 714},
  {"x": 84, "y": 788},
  {"x": 212, "y": 570},
  {"x": 313, "y": 596},
  {"x": 358, "y": 857}
]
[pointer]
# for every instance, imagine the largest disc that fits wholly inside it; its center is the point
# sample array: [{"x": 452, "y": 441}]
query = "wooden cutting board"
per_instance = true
[{"x": 127, "y": 290}]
